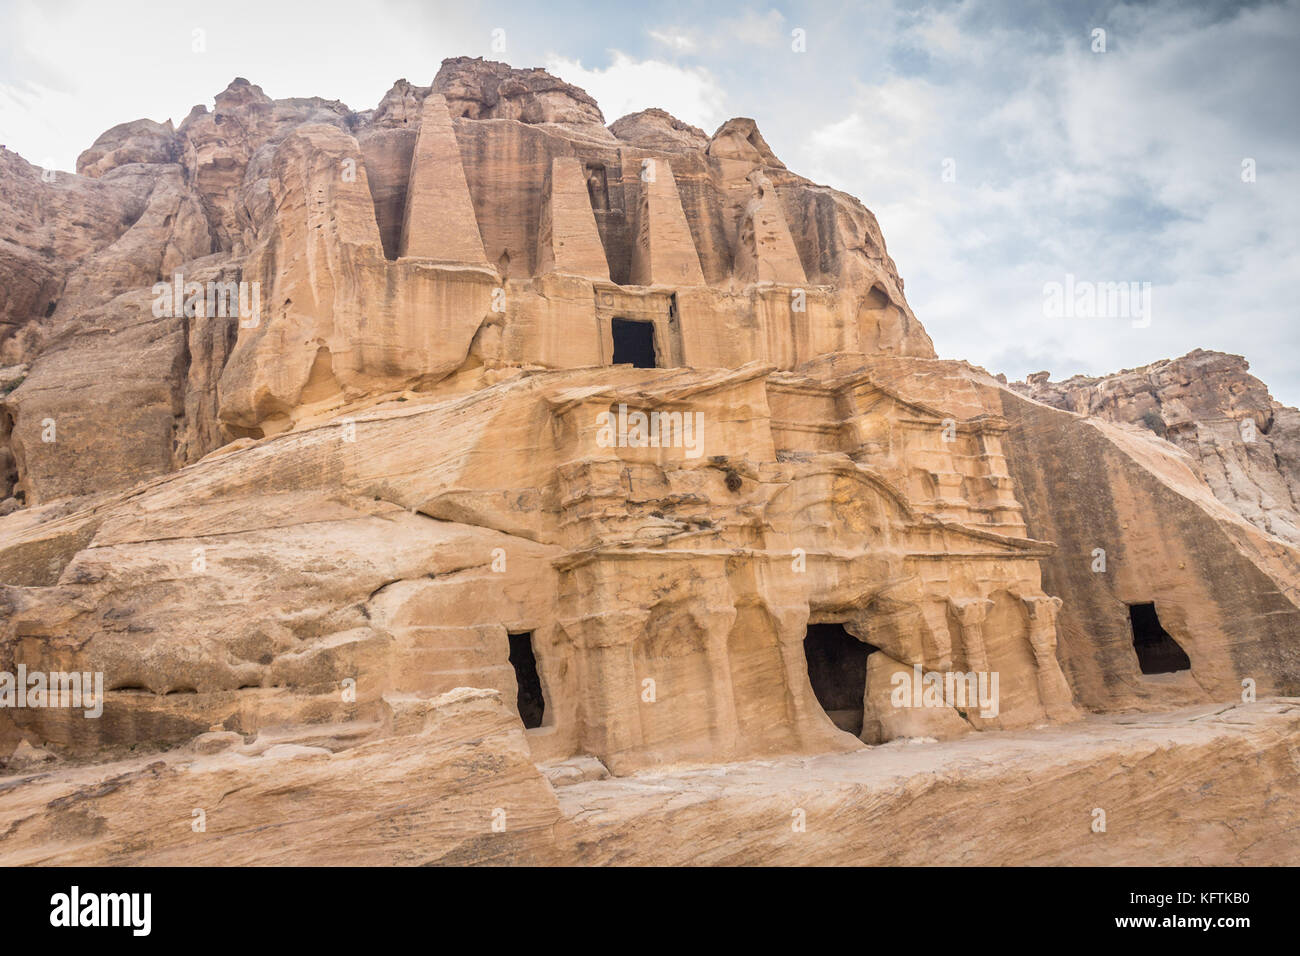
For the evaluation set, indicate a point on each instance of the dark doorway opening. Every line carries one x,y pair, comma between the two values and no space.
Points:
532,706
837,668
634,343
1157,652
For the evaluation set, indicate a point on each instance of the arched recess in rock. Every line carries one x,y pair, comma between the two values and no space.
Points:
880,322
758,683
321,384
1011,657
837,503
672,653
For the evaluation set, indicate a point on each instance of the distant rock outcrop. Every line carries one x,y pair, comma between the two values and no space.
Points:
657,129
1245,445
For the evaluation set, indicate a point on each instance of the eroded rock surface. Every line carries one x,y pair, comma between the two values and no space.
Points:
1245,444
1208,787
465,436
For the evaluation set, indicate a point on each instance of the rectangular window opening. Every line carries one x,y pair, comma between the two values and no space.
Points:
634,343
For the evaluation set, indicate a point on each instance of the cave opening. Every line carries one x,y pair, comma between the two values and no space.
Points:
837,669
531,703
1157,651
634,343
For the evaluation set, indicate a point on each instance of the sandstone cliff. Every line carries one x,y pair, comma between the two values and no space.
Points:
1243,443
81,255
468,441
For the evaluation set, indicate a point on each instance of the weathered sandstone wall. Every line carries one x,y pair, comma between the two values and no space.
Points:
639,400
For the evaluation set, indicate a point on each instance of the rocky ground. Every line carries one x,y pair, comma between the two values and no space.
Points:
451,782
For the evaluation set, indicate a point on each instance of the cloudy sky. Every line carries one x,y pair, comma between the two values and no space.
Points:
999,144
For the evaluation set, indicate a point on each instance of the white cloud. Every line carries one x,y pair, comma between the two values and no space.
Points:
71,70
627,85
754,29
680,41
750,29
1122,166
